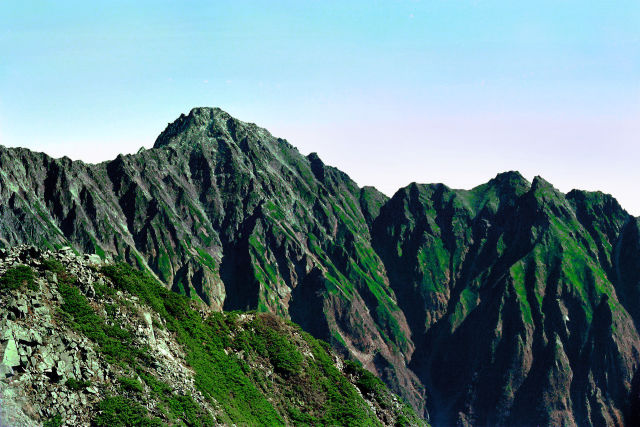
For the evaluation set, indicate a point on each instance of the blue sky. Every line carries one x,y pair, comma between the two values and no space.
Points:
391,92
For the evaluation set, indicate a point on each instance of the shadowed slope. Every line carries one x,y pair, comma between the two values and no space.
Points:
511,293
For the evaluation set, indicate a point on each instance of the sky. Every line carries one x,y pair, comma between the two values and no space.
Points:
391,92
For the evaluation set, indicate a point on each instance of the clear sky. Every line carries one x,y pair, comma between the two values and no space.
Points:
390,92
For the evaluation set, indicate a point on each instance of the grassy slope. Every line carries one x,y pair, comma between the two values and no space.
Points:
254,369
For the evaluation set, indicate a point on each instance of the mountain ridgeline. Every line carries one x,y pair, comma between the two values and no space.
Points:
511,303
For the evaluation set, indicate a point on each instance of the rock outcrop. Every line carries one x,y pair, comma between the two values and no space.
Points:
78,349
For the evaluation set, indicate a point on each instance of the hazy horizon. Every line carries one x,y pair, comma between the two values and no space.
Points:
390,93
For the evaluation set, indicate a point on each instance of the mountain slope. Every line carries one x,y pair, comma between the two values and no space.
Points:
225,212
512,291
84,343
507,303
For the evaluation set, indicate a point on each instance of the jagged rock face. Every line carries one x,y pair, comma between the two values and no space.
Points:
45,358
222,210
517,298
508,303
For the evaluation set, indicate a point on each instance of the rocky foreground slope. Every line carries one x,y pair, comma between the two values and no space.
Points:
85,343
510,303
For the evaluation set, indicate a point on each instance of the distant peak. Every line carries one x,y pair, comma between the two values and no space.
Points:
590,200
510,179
545,192
510,183
510,175
540,182
205,110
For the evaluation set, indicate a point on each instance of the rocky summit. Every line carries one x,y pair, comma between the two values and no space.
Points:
507,304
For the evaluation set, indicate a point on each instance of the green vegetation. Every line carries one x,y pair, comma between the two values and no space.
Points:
466,303
177,407
518,276
366,382
131,385
274,211
433,262
18,277
164,266
218,376
97,248
264,271
75,385
263,337
369,384
115,343
207,260
120,411
55,421
229,381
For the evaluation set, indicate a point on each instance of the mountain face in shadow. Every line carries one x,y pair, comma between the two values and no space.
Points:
510,303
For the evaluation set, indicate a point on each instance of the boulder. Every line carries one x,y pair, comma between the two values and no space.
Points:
11,356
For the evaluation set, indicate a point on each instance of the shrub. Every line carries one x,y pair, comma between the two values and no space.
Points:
130,384
367,382
55,421
243,396
120,411
114,342
219,376
274,344
182,407
73,384
56,266
17,277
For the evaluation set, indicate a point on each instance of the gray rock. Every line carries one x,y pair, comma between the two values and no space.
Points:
5,371
51,277
11,356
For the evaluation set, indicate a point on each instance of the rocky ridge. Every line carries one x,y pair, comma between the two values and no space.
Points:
41,352
54,371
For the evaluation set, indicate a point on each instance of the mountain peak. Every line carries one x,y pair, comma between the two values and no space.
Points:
201,123
509,179
203,115
540,182
509,176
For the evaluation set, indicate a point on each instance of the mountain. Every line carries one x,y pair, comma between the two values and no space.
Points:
522,301
105,345
510,303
